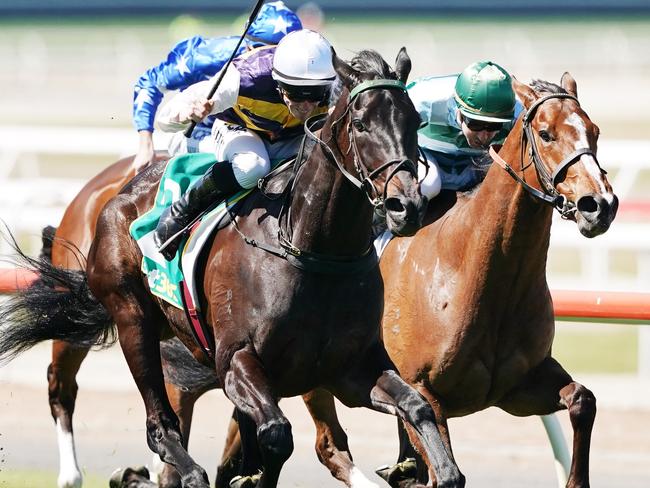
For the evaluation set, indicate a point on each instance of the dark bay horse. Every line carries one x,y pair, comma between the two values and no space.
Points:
468,317
305,329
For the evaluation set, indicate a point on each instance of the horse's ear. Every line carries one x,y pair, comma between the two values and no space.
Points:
403,65
569,84
524,93
349,76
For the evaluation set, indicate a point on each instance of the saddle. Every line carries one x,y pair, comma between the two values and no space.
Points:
175,281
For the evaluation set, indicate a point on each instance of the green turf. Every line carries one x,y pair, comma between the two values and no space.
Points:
595,349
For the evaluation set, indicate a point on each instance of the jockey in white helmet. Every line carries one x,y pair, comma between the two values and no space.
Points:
260,107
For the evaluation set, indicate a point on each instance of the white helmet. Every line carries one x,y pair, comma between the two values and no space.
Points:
303,63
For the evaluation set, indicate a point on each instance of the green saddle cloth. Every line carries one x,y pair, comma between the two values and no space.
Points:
165,276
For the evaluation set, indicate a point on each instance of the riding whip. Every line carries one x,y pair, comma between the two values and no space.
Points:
249,22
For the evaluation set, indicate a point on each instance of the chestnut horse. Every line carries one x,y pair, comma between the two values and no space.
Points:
468,317
290,339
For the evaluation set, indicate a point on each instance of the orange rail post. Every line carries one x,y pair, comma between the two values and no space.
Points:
14,279
602,306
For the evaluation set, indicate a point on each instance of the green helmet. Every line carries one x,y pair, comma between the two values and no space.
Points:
484,92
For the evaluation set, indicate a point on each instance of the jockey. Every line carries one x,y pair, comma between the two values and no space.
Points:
197,59
260,107
462,115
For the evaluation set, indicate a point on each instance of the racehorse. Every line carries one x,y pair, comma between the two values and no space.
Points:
468,317
313,329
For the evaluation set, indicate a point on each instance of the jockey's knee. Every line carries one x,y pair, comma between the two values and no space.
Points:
249,167
430,178
431,185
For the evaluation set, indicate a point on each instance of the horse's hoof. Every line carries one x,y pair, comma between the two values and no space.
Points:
245,481
131,478
399,473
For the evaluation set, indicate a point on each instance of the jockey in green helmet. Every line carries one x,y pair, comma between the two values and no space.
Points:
462,115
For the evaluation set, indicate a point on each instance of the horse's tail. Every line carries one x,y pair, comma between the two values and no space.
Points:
58,305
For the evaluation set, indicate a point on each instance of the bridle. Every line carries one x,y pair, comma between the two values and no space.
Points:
325,263
365,180
549,195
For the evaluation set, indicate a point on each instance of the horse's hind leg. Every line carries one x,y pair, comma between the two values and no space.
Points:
142,352
376,384
114,277
547,389
332,442
247,386
62,394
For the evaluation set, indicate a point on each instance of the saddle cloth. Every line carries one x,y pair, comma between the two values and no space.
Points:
168,279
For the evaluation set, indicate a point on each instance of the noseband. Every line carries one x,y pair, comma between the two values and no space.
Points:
550,195
365,181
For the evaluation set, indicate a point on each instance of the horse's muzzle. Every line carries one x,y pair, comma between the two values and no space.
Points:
404,213
595,213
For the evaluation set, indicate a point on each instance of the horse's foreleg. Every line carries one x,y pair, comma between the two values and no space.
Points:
247,386
387,392
332,442
547,389
393,395
182,402
62,393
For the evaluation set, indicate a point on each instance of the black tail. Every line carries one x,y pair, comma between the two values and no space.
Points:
58,305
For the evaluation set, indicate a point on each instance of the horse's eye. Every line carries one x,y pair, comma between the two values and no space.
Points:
546,137
358,125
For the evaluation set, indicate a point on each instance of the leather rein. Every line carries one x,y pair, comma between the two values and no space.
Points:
549,193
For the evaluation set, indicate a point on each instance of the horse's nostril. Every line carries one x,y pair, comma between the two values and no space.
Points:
587,205
393,205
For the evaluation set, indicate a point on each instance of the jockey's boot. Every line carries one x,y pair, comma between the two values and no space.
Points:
216,184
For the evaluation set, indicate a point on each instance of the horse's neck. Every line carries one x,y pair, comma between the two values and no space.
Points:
519,224
509,229
328,214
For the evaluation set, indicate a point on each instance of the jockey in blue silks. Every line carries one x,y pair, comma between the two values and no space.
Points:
198,59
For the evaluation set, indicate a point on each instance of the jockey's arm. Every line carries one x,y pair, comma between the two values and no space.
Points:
192,104
188,62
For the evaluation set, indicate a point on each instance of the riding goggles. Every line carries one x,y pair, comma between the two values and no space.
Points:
480,125
315,94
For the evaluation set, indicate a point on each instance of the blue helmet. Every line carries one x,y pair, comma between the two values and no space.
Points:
274,21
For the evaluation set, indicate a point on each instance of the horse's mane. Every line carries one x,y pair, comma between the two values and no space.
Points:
371,64
541,87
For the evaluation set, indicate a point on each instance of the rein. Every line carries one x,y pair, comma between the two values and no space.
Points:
326,263
549,195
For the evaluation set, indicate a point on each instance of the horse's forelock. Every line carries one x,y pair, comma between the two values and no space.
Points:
370,62
367,62
546,87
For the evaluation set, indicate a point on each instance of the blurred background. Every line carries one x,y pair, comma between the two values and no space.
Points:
68,68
